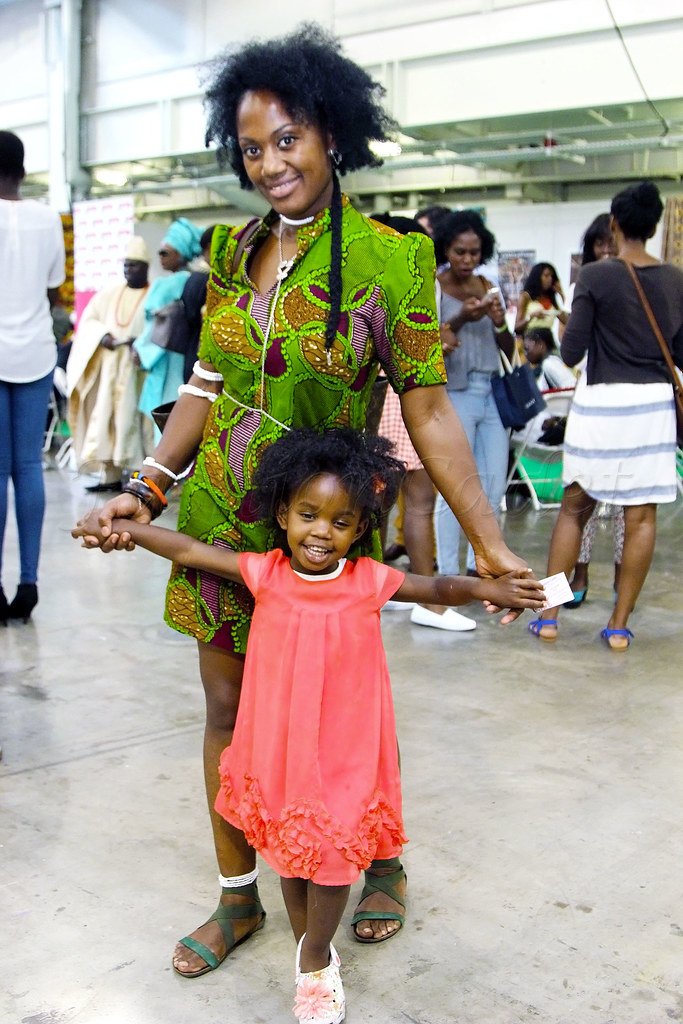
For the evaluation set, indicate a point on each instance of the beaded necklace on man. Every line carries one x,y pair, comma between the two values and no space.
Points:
124,312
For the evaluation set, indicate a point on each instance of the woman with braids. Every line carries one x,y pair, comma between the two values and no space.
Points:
302,308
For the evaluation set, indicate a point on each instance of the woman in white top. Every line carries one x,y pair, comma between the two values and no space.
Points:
31,266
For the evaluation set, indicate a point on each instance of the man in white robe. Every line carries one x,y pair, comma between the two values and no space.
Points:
103,381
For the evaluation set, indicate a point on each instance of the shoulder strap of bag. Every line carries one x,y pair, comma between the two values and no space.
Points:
507,366
675,379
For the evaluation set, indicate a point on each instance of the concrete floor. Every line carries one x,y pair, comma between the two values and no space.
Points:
542,798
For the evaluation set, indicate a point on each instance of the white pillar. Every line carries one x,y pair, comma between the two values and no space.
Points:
67,179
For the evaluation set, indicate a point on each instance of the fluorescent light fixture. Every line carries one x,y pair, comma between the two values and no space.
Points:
108,176
384,149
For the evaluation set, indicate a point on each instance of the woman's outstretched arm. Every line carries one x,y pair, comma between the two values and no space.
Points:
441,443
176,449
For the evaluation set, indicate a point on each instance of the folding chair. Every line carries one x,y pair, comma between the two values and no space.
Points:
523,447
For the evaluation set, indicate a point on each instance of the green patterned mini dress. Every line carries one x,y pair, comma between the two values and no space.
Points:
388,319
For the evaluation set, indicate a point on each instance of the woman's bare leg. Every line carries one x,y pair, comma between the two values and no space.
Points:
640,531
580,577
418,525
221,674
577,508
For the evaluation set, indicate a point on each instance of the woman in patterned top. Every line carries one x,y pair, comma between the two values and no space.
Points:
302,309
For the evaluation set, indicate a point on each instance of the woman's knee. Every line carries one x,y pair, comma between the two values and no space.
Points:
221,675
638,516
577,504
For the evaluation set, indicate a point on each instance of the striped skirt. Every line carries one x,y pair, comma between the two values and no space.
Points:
620,443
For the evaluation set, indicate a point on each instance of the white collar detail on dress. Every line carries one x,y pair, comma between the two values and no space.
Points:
317,577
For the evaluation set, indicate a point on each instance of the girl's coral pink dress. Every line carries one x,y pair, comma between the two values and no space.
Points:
312,776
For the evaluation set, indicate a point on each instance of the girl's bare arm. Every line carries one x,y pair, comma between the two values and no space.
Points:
515,589
185,550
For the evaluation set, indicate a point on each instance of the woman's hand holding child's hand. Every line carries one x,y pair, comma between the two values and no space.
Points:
449,339
96,528
516,589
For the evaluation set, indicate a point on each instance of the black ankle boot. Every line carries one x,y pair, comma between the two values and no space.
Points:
4,608
25,600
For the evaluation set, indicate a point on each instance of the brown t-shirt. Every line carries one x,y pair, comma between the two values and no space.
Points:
608,321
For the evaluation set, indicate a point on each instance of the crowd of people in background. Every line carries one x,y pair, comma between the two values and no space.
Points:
135,344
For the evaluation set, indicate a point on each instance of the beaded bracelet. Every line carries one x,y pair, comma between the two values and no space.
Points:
199,370
154,488
149,461
502,329
190,389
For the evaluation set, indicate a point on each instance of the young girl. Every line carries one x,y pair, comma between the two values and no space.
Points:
312,774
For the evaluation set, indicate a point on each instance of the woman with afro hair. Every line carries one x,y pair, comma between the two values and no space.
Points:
302,308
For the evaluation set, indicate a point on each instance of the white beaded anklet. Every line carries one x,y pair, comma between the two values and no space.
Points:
236,881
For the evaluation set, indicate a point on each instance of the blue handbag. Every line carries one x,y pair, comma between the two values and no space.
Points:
516,394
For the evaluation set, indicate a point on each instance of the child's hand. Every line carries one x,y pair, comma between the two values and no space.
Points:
97,531
89,529
516,589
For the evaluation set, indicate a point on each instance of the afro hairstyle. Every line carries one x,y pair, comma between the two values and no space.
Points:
316,83
448,228
362,462
637,210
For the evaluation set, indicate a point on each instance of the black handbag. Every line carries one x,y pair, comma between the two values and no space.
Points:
516,394
161,413
171,329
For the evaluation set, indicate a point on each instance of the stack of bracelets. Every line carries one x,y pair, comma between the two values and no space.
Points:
147,492
142,487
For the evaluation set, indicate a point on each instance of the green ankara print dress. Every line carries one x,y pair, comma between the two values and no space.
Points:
388,318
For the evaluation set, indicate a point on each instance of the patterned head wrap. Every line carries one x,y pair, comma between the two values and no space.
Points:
183,236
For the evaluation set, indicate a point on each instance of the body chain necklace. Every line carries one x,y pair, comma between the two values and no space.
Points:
283,268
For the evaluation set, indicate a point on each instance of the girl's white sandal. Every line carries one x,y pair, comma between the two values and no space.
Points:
319,994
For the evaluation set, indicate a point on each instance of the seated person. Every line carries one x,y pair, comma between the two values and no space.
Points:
551,374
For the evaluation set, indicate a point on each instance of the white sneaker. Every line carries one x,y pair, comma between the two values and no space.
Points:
450,619
397,606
